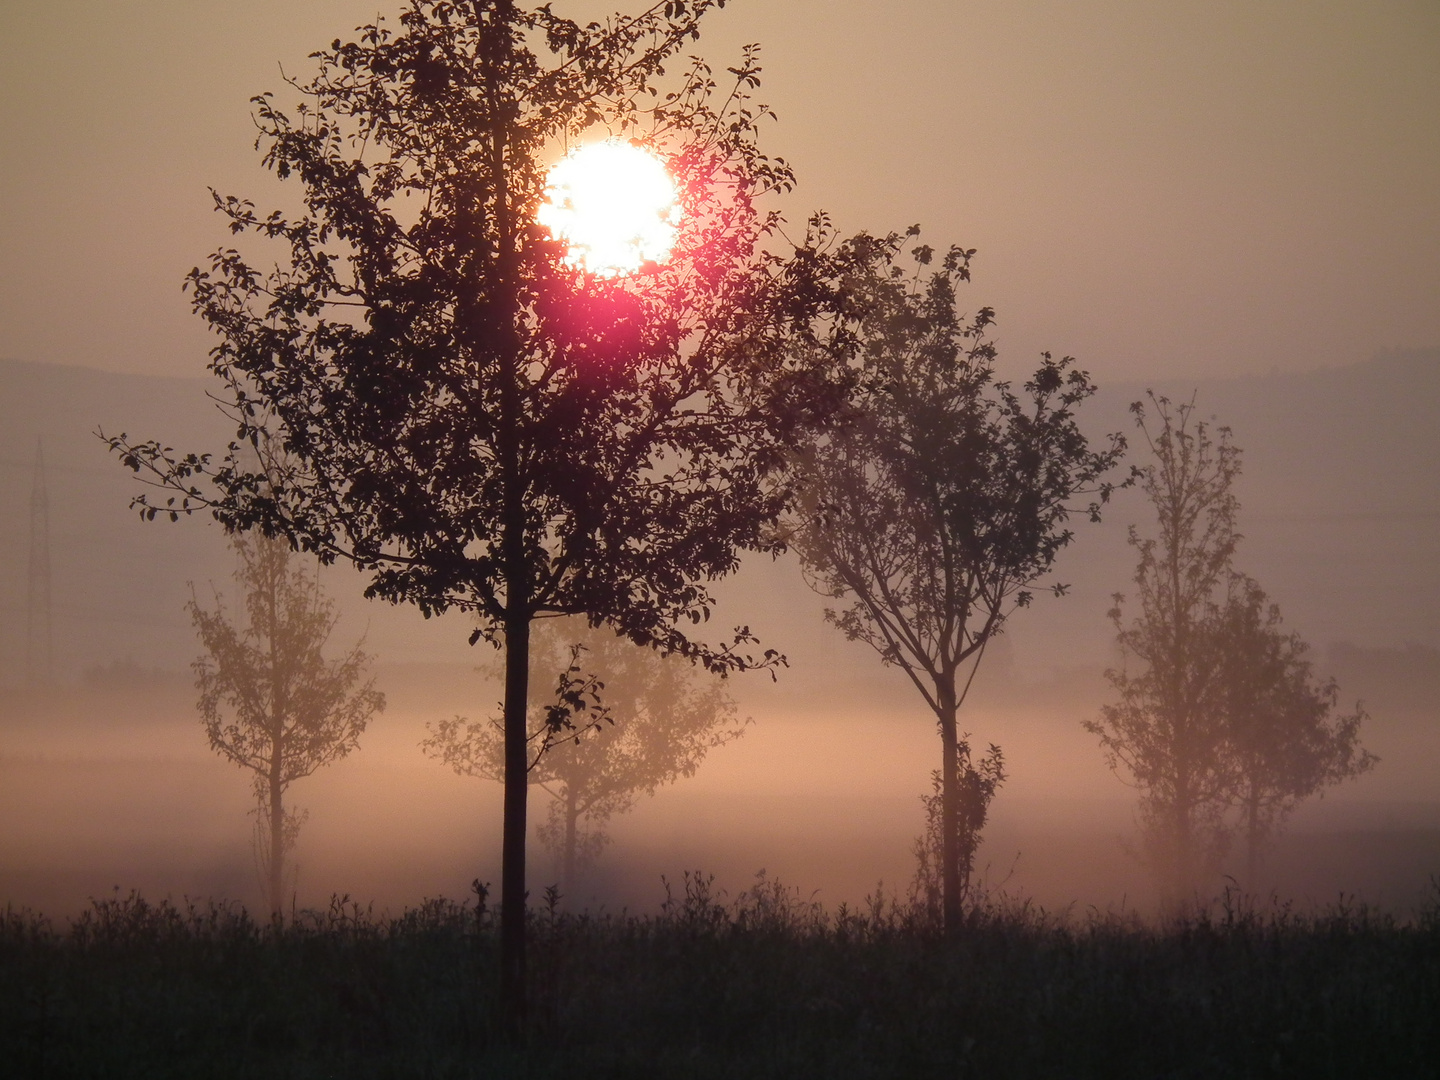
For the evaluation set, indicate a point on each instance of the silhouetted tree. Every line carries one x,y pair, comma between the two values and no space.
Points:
1282,735
1167,730
469,417
650,720
1218,708
943,497
269,699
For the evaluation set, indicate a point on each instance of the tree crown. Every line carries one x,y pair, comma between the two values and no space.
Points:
268,695
438,378
943,494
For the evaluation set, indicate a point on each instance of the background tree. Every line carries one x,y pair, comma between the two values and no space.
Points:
1166,730
1219,714
269,699
468,416
660,718
1283,736
942,497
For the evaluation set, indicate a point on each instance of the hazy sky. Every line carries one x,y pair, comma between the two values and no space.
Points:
1193,187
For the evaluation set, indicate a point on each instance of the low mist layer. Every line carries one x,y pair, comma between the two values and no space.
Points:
111,784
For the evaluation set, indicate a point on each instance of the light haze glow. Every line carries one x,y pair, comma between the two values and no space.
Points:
614,206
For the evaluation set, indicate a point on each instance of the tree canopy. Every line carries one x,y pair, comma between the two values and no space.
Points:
430,363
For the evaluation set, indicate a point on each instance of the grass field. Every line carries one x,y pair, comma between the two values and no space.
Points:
764,984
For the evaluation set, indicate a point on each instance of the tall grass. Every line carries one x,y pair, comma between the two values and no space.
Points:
762,984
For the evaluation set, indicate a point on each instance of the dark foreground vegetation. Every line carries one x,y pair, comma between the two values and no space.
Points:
764,985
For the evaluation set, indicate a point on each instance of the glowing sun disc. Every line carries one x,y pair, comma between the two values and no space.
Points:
613,205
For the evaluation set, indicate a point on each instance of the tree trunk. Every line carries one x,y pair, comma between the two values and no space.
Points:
279,707
1252,839
1178,848
277,839
499,337
951,884
512,862
1184,879
572,814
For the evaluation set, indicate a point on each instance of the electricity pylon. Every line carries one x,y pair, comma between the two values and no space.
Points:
39,646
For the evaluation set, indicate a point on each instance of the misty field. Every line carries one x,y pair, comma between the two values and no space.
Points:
570,471
762,984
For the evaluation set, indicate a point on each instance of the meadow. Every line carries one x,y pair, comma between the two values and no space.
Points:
764,983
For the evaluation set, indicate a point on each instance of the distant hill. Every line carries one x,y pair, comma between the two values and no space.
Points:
119,585
1339,497
1340,510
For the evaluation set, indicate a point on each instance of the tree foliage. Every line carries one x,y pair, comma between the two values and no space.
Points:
1284,736
943,496
463,414
425,354
269,699
1217,706
646,721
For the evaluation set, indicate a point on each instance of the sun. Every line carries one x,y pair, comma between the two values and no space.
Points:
614,206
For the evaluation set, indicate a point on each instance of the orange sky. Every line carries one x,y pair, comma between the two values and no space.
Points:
1190,188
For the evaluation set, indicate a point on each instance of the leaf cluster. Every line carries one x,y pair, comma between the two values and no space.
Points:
943,494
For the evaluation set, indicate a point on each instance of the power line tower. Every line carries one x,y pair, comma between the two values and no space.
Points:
39,646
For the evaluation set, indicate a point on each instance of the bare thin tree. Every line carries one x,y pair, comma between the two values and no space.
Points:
1166,730
1220,721
269,699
